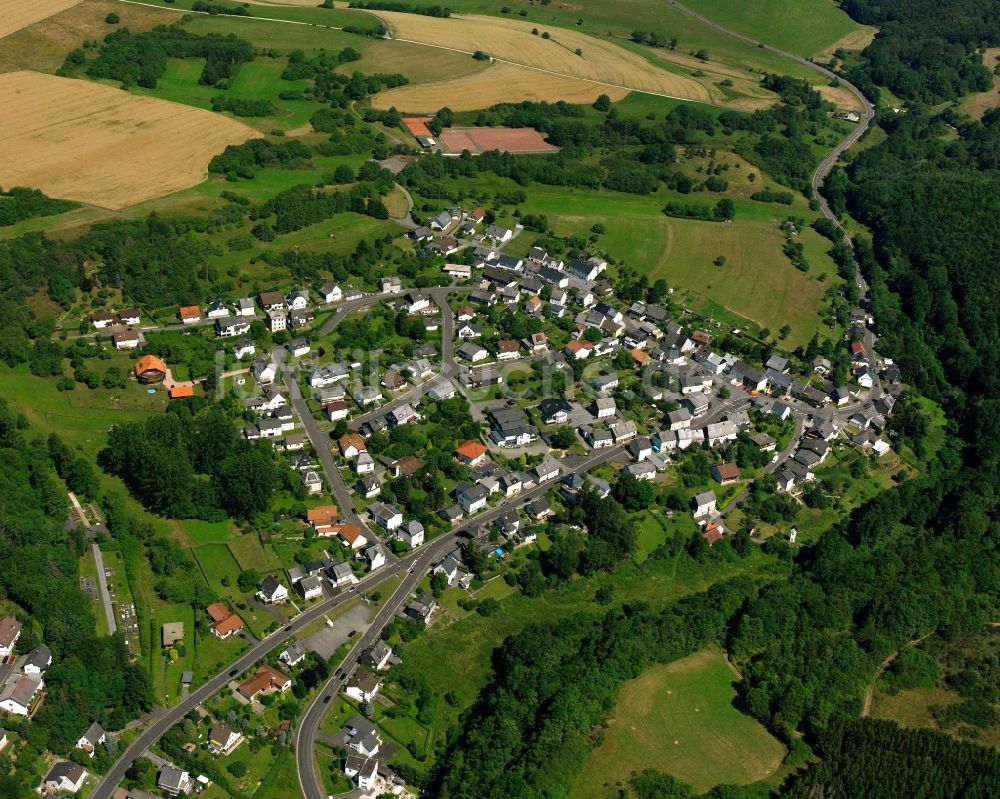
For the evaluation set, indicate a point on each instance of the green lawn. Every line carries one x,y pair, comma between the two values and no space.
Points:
250,553
804,27
218,564
679,718
651,534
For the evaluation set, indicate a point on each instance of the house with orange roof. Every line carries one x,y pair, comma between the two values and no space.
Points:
471,453
351,445
228,626
266,681
579,349
150,369
179,392
189,314
640,357
323,516
351,535
713,532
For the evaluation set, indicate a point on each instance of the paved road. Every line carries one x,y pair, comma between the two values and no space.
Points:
308,729
102,583
106,786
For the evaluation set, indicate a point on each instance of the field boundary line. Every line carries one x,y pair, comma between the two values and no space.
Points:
390,38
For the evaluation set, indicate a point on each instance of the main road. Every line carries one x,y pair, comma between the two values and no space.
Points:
306,733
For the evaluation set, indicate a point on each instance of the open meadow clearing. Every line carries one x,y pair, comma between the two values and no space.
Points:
679,718
99,145
978,103
803,27
510,40
17,14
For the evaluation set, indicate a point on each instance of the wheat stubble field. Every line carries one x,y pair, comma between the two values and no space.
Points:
544,68
17,14
99,145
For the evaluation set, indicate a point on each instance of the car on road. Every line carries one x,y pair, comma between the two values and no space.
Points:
234,672
352,633
326,699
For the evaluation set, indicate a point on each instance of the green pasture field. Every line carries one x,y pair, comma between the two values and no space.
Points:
757,283
250,553
679,718
803,27
217,563
212,655
456,657
282,780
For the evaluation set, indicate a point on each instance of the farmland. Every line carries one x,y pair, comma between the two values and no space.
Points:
16,14
679,718
500,83
565,53
44,45
125,149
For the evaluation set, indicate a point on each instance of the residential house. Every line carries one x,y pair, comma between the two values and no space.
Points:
330,292
538,509
640,448
377,656
752,378
223,739
448,566
310,587
245,307
507,350
244,348
412,534
230,326
103,320
224,622
765,442
328,374
390,285
351,445
363,463
643,470
271,591
725,473
679,419
263,372
189,314
65,776
578,349
149,369
127,340
277,320
704,504
471,496
341,574
469,330
422,608
375,557
18,693
313,482
385,515
351,535
784,480
597,438
498,234
781,410
556,411
510,427
363,686
171,633
603,407
368,486
91,739
473,352
548,469
37,660
298,300
539,342
721,431
272,301
216,309
298,347
174,781
623,431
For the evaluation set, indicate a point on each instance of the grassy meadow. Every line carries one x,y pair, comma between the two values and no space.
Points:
679,718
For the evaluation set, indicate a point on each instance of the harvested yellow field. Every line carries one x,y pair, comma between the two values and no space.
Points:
499,83
511,41
96,144
975,105
17,14
855,41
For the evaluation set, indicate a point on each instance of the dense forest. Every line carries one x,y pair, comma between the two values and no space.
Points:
91,678
926,49
193,463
